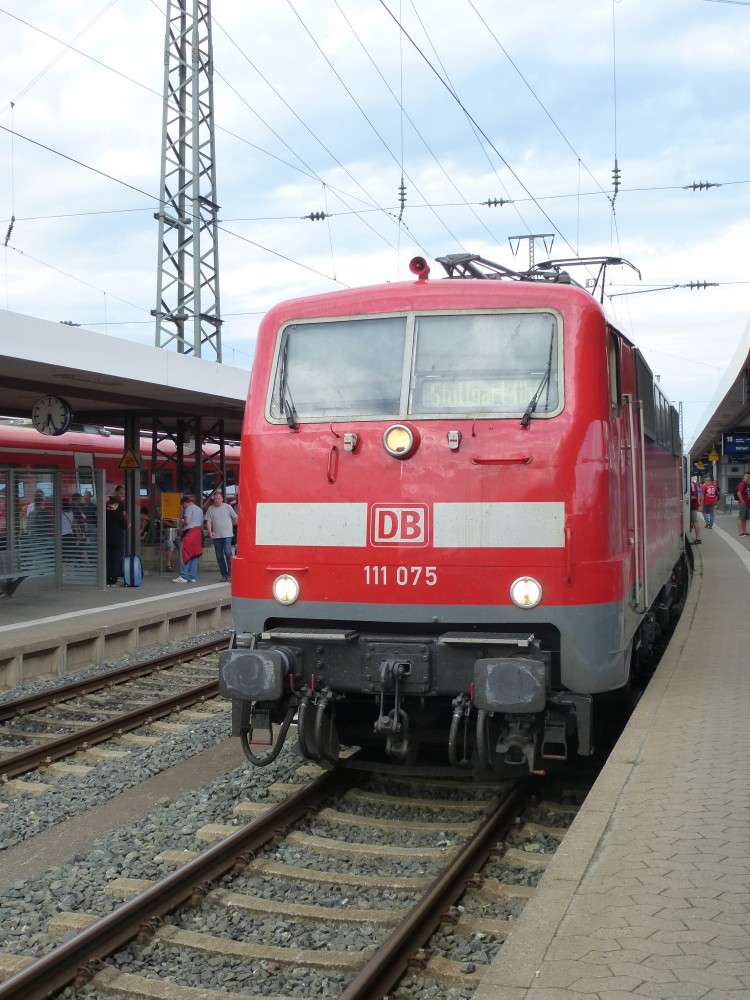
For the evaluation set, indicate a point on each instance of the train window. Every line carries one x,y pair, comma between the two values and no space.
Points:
645,386
341,368
615,380
487,363
165,480
676,436
85,478
665,437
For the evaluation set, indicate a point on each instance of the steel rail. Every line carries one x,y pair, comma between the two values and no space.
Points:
63,965
55,696
46,753
392,958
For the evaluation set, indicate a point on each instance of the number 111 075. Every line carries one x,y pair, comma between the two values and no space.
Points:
404,576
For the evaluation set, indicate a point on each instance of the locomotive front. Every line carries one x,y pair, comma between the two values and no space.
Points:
421,487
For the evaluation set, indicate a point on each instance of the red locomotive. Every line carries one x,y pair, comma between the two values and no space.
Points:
461,523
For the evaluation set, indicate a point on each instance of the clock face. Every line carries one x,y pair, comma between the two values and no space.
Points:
51,415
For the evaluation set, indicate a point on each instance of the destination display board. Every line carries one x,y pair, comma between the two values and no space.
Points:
736,445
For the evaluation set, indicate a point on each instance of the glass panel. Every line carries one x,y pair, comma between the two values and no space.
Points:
4,510
78,524
488,363
34,528
347,368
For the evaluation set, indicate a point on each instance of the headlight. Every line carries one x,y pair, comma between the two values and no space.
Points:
398,440
525,592
285,589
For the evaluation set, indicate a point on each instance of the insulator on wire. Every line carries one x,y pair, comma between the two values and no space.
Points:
700,186
701,285
616,175
401,199
494,202
10,229
316,216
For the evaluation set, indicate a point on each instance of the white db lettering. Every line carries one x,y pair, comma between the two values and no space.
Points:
398,525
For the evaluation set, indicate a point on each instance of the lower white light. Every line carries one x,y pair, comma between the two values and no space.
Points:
285,589
525,592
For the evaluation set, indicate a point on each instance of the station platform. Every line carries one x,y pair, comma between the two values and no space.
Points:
47,632
649,893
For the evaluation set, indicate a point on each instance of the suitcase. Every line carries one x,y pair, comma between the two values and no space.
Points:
132,571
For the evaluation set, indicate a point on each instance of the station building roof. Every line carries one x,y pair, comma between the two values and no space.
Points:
729,409
105,378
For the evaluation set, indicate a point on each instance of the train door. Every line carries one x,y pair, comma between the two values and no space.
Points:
633,519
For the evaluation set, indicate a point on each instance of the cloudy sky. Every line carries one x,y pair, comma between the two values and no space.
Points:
324,105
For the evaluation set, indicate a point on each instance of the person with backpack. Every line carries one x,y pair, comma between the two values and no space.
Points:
710,499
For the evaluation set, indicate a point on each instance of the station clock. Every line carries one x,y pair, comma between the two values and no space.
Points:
51,415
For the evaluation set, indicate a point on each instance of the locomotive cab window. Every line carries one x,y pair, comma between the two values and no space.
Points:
493,363
339,369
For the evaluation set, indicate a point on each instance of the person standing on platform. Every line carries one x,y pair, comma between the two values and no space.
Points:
743,495
145,524
119,494
192,541
88,509
67,531
115,523
220,520
710,494
695,507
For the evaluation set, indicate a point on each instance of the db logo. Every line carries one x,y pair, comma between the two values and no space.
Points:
399,525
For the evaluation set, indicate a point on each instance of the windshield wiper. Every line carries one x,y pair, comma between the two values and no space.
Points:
291,414
285,400
540,388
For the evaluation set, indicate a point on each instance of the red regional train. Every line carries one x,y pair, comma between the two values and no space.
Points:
80,452
462,522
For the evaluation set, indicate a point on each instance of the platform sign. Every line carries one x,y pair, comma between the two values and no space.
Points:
736,445
130,460
170,506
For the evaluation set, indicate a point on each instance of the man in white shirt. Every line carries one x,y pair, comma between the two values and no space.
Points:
220,520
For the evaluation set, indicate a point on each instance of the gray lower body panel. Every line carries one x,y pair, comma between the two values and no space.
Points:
594,641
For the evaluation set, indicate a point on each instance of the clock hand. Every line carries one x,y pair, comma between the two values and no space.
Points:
48,422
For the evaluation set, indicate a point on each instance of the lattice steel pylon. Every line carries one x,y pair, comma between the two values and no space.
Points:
187,296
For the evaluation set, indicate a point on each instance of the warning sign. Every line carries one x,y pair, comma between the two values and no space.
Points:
130,460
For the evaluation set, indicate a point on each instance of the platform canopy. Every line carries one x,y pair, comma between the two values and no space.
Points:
105,379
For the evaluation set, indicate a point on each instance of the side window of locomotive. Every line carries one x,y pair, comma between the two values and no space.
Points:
645,387
615,379
338,369
676,435
486,363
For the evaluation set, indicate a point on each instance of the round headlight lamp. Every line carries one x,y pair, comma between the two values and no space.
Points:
525,592
398,440
285,589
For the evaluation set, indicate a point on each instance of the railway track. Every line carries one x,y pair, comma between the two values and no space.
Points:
55,732
390,867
